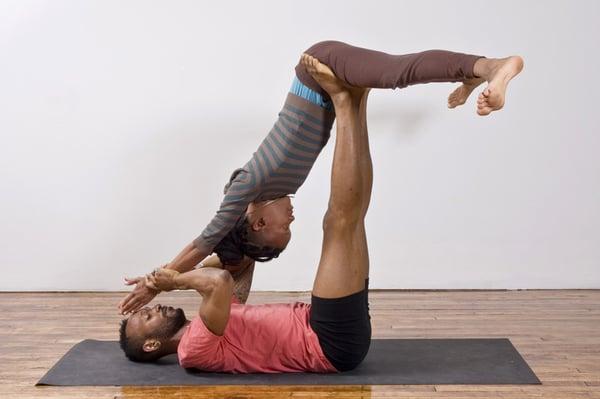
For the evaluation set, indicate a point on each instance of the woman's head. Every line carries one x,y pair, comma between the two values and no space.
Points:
270,221
261,234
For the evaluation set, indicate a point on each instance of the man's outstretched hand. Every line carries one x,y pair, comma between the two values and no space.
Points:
136,299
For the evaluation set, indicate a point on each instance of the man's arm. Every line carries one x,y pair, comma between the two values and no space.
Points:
238,194
214,285
216,288
242,275
189,257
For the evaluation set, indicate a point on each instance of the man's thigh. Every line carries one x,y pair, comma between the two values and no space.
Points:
343,326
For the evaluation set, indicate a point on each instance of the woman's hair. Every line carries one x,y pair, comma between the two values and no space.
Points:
235,245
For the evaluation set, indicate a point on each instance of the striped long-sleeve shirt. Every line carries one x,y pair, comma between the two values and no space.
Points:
279,166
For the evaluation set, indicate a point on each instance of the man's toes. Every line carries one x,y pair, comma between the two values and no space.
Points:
304,60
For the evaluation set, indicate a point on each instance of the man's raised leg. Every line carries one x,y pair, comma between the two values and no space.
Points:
344,263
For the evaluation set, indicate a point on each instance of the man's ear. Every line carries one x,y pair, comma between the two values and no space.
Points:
151,345
258,224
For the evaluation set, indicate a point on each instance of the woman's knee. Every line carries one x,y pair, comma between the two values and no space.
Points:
324,48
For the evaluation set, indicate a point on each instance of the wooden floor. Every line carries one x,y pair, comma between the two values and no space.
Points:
557,332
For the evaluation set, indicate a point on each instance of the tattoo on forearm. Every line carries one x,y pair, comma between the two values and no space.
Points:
243,283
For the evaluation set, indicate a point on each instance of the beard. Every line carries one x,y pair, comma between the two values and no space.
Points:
173,324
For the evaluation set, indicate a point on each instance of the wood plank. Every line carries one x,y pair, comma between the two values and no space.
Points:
556,331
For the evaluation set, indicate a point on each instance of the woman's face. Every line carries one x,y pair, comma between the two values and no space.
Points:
270,222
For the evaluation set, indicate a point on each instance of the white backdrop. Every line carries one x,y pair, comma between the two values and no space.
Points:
120,122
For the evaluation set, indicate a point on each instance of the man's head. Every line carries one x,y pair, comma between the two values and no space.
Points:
145,335
261,234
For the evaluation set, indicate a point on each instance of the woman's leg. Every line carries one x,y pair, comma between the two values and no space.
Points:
361,67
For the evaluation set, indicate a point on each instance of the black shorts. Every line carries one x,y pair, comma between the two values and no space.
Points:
343,326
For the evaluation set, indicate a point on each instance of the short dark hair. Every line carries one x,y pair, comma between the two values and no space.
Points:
235,245
133,348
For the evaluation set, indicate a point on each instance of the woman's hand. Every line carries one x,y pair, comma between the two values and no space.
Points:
162,279
137,298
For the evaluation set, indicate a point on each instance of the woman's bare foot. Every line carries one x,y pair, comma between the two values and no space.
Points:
460,95
498,72
335,87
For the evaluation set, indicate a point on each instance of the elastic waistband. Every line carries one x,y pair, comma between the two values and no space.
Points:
301,90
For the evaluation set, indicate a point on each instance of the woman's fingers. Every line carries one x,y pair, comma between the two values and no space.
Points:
135,306
125,302
131,281
132,306
150,282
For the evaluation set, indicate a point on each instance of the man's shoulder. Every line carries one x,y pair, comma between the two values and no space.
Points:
197,329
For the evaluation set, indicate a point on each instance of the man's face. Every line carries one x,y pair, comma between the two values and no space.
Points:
160,322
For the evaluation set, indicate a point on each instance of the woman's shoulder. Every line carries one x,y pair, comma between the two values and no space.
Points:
241,177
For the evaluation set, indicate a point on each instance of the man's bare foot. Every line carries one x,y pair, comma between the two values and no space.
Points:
325,77
498,72
460,95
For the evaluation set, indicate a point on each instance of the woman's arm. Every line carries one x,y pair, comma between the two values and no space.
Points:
212,261
187,259
238,194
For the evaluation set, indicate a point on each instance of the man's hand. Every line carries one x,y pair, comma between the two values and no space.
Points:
162,280
137,298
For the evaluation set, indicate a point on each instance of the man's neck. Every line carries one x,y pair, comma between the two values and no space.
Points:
171,345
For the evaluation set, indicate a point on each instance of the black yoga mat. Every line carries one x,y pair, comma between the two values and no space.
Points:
389,362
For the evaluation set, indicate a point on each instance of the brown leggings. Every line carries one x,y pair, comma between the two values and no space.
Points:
361,67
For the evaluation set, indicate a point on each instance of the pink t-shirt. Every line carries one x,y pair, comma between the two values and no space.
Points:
258,339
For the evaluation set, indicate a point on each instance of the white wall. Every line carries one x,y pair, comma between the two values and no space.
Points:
120,122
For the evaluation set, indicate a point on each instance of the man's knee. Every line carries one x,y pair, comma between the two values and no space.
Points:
339,220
